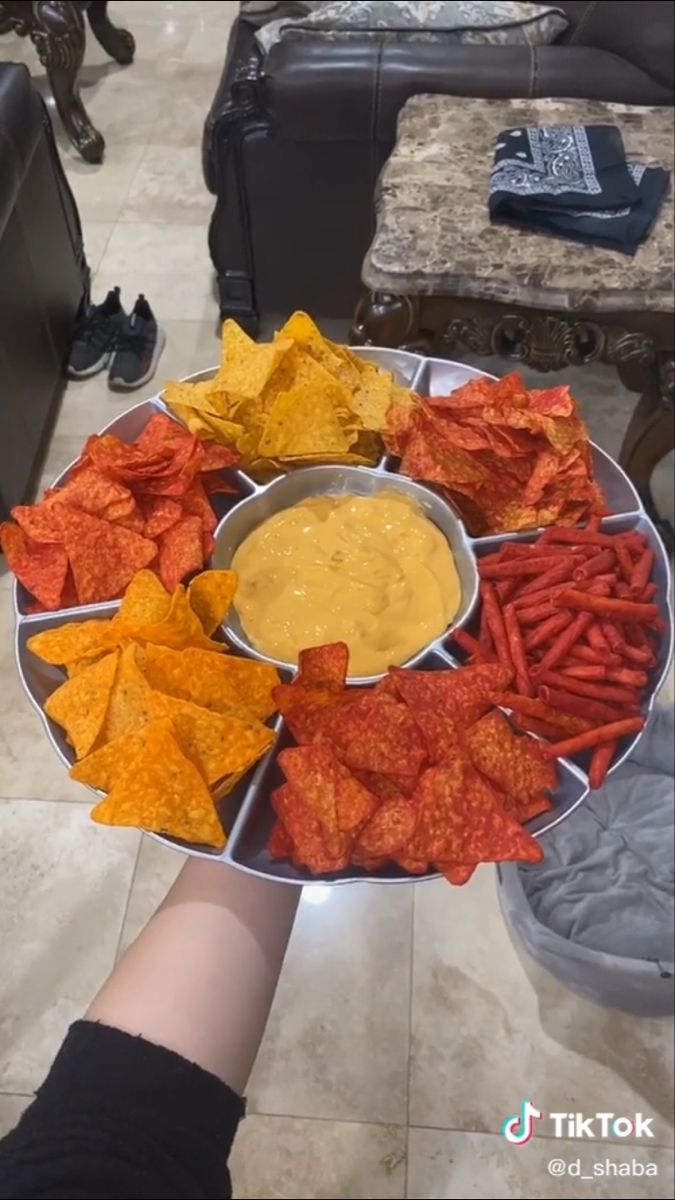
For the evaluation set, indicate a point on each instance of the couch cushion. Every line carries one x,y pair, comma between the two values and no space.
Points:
492,23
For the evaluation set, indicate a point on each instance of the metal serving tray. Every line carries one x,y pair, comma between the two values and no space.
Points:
246,812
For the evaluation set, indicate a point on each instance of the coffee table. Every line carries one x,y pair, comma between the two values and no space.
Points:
441,279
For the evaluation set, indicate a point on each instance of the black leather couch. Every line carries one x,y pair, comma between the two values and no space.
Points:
43,281
293,144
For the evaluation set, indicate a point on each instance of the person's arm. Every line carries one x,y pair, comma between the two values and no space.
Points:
144,1096
201,976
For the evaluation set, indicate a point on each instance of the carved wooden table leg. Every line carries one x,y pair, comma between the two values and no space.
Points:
384,319
118,43
651,435
58,34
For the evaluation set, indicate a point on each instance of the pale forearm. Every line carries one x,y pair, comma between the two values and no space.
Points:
201,976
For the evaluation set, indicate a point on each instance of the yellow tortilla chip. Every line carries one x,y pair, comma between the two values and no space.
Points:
302,422
102,768
372,399
130,705
206,395
73,642
219,745
210,595
161,790
146,599
247,365
80,704
230,685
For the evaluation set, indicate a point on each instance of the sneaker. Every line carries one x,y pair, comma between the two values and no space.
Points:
96,336
139,346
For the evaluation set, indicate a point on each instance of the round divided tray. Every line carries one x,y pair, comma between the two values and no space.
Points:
246,812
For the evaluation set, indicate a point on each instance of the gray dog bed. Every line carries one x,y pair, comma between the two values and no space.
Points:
598,912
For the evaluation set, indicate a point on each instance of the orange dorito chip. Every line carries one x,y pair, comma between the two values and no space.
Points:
162,791
146,600
218,744
102,768
179,629
219,683
516,764
130,705
72,642
80,705
210,596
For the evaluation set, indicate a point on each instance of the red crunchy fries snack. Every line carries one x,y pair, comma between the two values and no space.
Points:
124,506
417,771
507,456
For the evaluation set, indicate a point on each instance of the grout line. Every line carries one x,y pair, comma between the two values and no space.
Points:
543,1137
125,913
250,1112
410,1038
18,1095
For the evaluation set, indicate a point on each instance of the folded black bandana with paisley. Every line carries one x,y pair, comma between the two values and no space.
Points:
573,181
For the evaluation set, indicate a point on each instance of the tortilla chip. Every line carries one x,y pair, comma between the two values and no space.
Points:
80,705
222,684
146,600
162,791
73,641
302,422
102,768
40,567
130,705
219,745
210,596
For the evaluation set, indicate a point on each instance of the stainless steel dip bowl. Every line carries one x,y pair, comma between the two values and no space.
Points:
299,485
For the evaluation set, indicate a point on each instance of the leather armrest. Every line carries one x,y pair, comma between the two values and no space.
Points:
20,128
354,91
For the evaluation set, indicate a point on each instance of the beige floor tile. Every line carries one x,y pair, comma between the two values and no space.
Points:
156,870
208,41
168,187
283,1157
337,1040
488,1029
89,404
11,1108
100,190
477,1166
190,88
96,238
64,886
30,767
169,262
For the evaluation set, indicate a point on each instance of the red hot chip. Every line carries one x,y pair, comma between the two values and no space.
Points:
180,551
324,666
514,763
42,568
306,833
388,830
376,734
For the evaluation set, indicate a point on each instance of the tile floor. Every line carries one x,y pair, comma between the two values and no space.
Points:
405,1026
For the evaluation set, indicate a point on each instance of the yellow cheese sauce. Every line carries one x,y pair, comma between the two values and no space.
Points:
371,571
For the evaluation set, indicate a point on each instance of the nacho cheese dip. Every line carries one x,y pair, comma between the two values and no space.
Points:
371,571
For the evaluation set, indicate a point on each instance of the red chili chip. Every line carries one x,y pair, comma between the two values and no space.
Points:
40,567
324,666
515,763
180,551
388,830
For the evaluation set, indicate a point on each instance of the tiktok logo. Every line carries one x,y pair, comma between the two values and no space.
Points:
519,1128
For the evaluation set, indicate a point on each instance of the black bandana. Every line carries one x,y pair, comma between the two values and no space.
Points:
574,181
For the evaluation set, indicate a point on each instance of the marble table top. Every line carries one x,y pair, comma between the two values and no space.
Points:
433,230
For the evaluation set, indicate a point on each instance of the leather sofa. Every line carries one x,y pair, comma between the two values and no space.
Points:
43,281
294,142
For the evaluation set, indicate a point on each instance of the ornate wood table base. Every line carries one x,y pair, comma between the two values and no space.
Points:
56,28
639,345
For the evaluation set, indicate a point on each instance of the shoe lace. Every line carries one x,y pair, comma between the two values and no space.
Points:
134,339
92,328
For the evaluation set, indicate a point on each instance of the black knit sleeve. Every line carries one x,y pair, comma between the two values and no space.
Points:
119,1117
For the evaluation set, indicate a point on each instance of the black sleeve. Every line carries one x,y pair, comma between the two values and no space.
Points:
119,1117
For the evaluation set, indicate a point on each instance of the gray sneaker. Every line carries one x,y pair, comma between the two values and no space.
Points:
95,337
139,346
